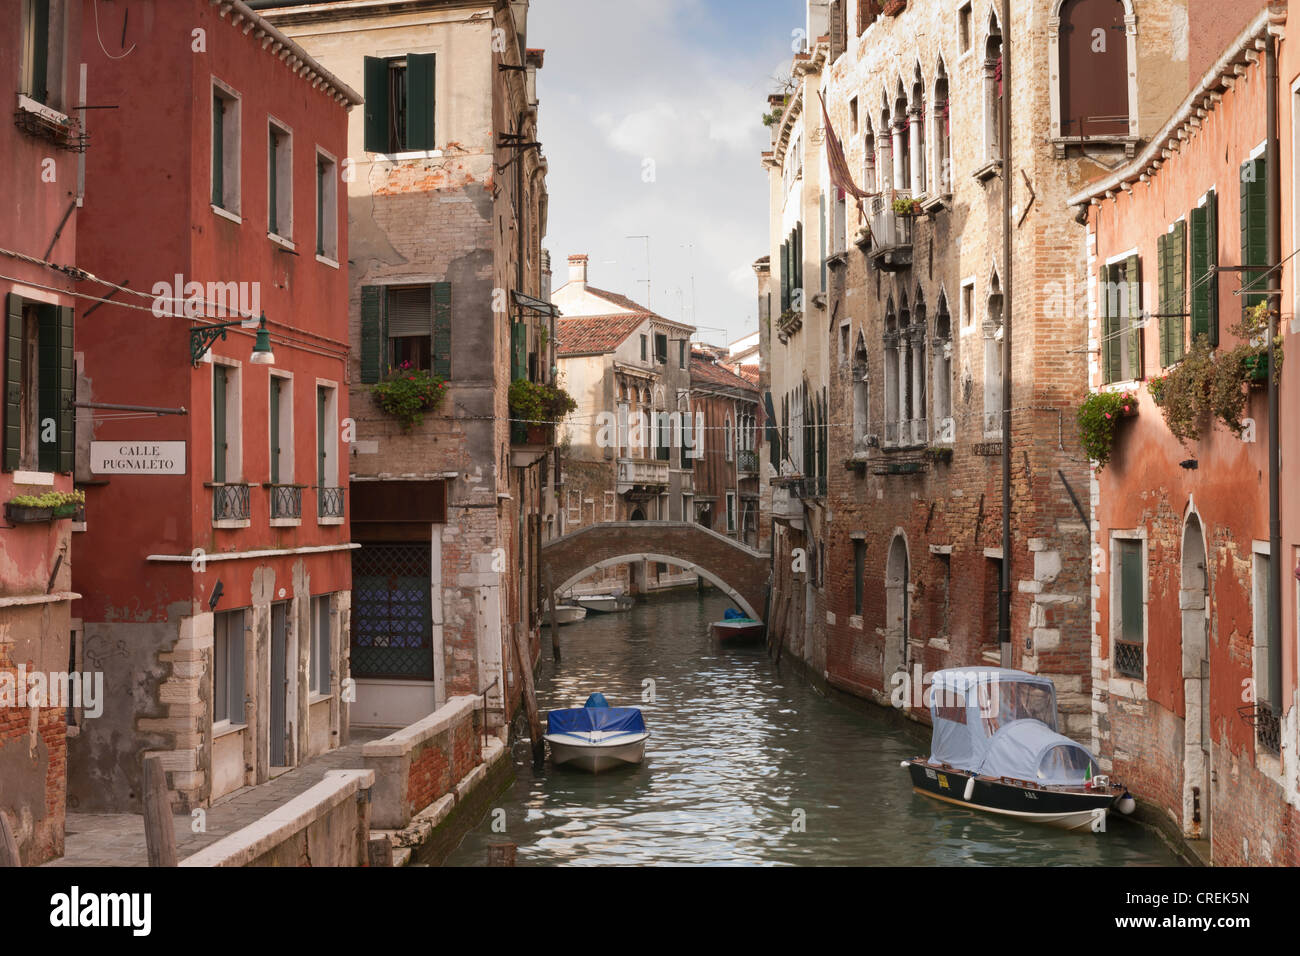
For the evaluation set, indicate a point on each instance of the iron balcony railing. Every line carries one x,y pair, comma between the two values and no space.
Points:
1128,659
329,502
747,461
230,502
286,501
889,230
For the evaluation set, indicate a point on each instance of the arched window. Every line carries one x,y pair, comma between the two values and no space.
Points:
943,424
902,142
993,92
890,348
1094,65
993,360
869,159
942,135
916,127
916,340
861,398
885,148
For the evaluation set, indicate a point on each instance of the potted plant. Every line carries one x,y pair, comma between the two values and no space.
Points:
1098,416
537,406
33,509
407,393
70,503
905,206
1253,352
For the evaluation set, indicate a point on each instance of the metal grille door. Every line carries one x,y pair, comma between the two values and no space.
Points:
391,620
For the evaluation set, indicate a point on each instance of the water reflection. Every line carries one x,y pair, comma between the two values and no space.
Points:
745,765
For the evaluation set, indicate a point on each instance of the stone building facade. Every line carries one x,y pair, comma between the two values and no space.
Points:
726,470
447,203
887,329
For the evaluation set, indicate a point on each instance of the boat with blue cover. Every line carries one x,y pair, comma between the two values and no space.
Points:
736,628
995,747
596,736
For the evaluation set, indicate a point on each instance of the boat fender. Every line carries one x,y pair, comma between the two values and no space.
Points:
1126,804
970,789
904,764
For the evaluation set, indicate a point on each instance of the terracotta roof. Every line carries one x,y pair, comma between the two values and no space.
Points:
706,373
596,334
620,300
749,373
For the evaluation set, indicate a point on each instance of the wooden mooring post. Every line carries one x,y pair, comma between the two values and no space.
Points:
159,836
530,696
501,854
555,627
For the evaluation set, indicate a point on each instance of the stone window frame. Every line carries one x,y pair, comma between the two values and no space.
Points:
1060,142
1122,686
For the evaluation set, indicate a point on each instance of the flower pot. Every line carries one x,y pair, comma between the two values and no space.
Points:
27,514
539,434
68,510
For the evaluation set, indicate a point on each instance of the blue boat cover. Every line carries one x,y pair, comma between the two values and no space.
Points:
596,700
731,614
584,720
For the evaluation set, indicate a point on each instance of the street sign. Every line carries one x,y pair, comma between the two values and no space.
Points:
137,457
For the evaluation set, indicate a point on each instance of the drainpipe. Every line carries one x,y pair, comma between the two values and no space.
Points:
1273,224
1004,593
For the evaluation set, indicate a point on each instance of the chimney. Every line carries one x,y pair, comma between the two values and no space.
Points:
578,271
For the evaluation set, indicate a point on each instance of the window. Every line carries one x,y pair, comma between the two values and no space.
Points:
942,135
869,159
964,27
944,431
993,94
1267,670
661,348
281,425
279,179
993,360
681,353
663,437
853,116
1171,253
731,512
39,386
1129,629
1204,256
327,436
916,122
861,397
1094,69
34,75
792,271
839,27
226,424
399,110
320,644
968,304
688,452
868,10
728,442
228,667
1121,325
859,573
401,324
645,344
1254,230
225,149
327,207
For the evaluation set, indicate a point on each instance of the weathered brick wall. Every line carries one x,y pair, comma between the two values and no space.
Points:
442,761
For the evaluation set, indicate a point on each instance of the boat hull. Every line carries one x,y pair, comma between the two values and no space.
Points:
605,604
565,614
737,632
595,756
1066,808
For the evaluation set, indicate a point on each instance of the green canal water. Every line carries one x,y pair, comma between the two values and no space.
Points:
746,764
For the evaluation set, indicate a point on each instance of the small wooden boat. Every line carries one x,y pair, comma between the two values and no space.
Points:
564,614
606,603
596,736
736,629
995,747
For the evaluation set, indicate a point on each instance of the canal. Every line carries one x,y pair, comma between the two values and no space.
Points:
747,764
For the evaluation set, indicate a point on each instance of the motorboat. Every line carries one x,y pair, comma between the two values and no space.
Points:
564,614
605,603
596,736
736,628
995,747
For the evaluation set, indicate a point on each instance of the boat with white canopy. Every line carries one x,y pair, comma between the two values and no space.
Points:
995,747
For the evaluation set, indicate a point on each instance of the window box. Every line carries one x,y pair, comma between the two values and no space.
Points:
27,514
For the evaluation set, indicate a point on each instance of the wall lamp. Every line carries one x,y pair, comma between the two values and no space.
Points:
203,337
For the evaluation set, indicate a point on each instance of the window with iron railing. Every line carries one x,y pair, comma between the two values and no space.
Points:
286,501
230,503
329,502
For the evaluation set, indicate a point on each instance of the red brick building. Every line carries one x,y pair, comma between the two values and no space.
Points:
38,223
1194,702
215,577
728,412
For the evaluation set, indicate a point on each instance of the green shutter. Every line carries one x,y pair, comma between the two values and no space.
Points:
1163,307
374,343
13,391
785,277
218,423
1200,267
1130,584
271,225
1133,274
518,350
1177,251
419,101
1110,355
1254,234
442,329
218,150
67,372
1212,266
322,452
275,430
376,108
40,50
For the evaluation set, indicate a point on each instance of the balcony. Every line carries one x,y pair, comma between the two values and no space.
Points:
286,502
891,234
329,505
747,461
642,473
908,433
530,442
787,504
230,505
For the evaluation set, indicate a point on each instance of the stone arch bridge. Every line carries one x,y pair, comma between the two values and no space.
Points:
736,569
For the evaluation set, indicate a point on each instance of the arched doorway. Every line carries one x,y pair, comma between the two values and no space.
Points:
1193,602
897,608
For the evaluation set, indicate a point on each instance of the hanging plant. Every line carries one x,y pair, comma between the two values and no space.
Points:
1183,393
1098,416
904,206
537,402
407,393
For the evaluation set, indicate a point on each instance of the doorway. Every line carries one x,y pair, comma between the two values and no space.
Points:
278,723
1193,603
897,608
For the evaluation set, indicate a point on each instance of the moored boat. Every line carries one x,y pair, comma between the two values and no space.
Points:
605,603
995,747
735,628
596,737
564,614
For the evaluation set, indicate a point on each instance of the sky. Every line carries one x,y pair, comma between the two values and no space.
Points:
672,91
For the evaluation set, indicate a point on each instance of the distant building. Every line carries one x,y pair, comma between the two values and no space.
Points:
728,411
